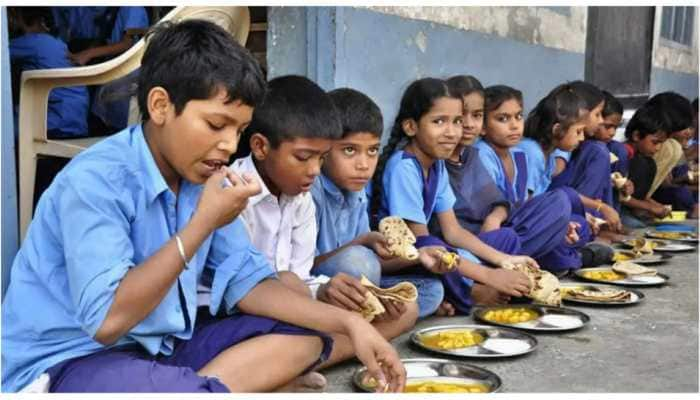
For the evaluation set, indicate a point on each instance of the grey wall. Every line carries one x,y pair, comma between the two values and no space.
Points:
381,54
663,80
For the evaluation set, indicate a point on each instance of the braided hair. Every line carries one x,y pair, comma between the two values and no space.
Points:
417,100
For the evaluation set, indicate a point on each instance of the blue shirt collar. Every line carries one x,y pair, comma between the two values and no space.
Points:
338,195
148,164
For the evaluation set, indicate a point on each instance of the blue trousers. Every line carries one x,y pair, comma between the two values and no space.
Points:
359,260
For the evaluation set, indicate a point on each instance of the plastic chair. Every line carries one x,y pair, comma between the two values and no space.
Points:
36,85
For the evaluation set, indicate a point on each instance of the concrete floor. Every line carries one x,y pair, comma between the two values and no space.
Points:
648,347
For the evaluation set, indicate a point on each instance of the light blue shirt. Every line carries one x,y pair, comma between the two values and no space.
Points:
106,212
403,185
539,174
493,165
341,216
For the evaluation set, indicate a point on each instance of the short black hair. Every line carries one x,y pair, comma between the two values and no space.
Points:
677,110
293,107
464,85
193,60
647,120
357,112
496,95
612,105
590,93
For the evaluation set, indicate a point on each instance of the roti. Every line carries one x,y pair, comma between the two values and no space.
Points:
399,236
600,294
544,287
404,292
631,269
618,179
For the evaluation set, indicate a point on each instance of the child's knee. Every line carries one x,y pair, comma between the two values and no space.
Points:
431,293
357,261
292,281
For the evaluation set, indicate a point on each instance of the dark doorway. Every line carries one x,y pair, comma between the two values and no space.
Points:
618,51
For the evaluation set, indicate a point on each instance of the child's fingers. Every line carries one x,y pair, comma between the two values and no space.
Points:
340,299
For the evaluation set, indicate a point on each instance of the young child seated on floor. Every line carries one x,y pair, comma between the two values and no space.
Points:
411,182
646,132
542,223
669,185
110,264
346,249
588,169
291,133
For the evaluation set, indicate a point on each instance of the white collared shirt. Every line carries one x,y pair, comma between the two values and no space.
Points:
283,229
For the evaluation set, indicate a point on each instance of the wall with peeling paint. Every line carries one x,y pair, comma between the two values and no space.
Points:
380,54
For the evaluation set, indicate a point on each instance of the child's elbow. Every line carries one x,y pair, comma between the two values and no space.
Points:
108,333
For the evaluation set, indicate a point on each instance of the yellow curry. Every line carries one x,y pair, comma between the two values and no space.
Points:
452,339
603,275
444,387
510,315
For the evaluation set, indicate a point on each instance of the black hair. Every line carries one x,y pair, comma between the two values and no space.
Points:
676,109
612,105
294,107
193,60
357,112
695,105
647,120
464,85
496,95
562,105
29,15
417,100
589,92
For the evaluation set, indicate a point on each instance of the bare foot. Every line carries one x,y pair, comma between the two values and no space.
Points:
488,296
445,310
311,382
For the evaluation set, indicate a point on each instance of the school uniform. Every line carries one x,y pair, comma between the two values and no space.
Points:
540,222
283,228
669,162
68,106
621,166
406,193
106,212
588,172
341,216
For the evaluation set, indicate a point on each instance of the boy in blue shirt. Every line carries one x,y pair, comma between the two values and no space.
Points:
346,249
110,264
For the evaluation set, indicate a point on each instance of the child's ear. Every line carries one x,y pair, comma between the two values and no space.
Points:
635,136
409,126
259,146
556,130
158,104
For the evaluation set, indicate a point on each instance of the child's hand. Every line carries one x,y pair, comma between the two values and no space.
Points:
394,310
510,261
611,217
628,189
378,243
572,233
431,259
343,291
660,210
219,205
507,281
595,227
380,358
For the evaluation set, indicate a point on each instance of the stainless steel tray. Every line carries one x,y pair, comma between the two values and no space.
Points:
499,342
646,259
436,370
551,319
664,246
691,237
636,296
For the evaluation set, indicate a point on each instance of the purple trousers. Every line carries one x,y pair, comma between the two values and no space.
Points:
131,369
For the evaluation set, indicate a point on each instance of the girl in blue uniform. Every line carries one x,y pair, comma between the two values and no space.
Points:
542,222
411,182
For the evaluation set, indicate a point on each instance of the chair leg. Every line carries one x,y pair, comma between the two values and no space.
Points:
27,174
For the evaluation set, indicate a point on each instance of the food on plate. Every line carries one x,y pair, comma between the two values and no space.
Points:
597,294
631,269
511,315
454,339
444,387
603,275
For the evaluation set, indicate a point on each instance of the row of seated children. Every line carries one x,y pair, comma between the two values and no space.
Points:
36,44
103,295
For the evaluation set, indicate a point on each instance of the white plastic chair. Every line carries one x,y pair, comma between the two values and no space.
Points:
36,85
